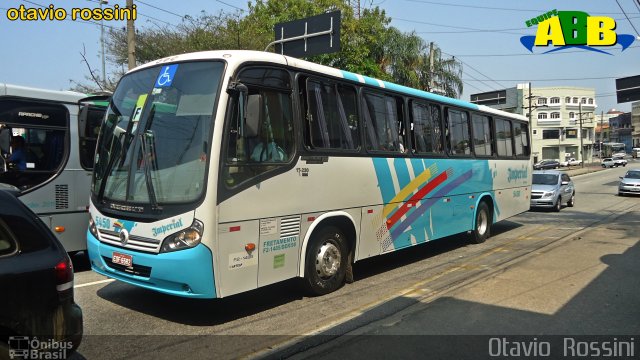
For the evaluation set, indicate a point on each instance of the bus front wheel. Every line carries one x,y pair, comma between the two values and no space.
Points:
326,261
482,228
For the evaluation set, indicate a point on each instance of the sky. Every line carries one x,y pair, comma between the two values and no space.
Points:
484,35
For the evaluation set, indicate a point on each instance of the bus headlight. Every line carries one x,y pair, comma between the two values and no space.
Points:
93,229
184,239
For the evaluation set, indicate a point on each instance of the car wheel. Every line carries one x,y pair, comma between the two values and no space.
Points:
558,205
326,262
624,165
572,201
482,229
604,166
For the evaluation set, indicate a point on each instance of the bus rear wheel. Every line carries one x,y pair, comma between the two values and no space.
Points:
326,261
482,228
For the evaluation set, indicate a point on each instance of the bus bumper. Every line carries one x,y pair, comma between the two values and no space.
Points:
186,273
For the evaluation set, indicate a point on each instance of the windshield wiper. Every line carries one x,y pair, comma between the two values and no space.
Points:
146,158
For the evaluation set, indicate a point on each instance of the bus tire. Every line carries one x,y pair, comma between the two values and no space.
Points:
482,226
326,261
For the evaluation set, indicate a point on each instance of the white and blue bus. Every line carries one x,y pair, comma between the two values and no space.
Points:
47,145
220,172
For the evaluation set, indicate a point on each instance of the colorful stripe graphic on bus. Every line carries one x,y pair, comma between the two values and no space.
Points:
416,196
118,225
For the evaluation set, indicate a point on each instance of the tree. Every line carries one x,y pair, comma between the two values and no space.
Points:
369,45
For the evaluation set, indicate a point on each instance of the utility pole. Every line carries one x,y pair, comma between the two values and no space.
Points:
431,67
131,38
581,144
601,133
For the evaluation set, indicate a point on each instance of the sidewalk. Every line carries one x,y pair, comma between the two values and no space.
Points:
579,170
585,284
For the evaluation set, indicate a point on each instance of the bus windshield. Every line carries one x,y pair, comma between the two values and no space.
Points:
154,144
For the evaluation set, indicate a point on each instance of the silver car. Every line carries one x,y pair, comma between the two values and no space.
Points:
551,189
630,183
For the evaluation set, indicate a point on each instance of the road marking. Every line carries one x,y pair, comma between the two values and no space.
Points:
94,283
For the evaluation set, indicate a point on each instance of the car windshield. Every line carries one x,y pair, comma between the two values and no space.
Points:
633,175
545,179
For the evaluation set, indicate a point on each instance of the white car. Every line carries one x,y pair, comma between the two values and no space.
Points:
571,162
613,162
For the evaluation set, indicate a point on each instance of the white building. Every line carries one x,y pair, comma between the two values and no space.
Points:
562,118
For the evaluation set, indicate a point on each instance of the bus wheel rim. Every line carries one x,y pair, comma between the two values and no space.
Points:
482,223
328,260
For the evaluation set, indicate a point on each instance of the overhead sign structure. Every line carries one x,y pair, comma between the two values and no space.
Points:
314,35
628,89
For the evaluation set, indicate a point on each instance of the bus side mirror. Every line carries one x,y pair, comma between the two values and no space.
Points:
5,139
82,120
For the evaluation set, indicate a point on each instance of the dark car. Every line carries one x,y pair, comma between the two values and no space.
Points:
37,308
546,164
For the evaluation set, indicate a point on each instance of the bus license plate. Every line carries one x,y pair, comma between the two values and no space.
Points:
122,259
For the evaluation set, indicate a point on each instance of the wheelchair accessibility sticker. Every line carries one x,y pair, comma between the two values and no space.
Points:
166,75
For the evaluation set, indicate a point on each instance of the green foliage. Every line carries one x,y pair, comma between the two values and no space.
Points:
369,45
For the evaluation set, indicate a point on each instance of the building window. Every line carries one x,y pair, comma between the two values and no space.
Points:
542,101
590,101
554,100
572,115
535,131
542,116
572,134
575,100
551,134
583,100
555,115
567,99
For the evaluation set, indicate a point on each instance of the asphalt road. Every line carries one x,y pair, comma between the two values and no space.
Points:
123,321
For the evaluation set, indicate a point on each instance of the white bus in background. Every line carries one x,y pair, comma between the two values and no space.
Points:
58,146
220,172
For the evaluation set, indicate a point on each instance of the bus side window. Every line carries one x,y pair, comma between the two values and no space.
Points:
383,123
458,138
261,132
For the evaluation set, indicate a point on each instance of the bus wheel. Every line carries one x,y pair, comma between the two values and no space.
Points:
326,261
482,229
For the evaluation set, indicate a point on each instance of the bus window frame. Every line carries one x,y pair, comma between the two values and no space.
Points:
494,151
67,137
402,120
224,191
440,139
304,107
447,140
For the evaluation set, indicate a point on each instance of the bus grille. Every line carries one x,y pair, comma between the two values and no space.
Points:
290,226
138,270
134,243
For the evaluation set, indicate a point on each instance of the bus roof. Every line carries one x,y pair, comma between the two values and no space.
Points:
236,57
37,93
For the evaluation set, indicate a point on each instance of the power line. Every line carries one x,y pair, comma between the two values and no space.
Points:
560,79
488,7
161,9
233,6
88,22
141,14
458,27
530,54
625,14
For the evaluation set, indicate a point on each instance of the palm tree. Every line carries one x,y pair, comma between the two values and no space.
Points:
444,76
